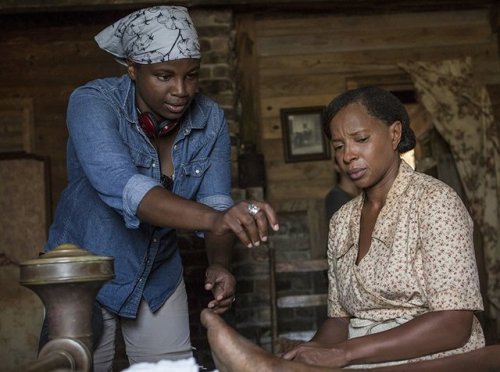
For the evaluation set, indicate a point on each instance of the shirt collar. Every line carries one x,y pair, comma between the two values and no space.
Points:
129,106
196,110
387,220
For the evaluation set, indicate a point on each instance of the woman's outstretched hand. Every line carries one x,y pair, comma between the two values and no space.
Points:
249,221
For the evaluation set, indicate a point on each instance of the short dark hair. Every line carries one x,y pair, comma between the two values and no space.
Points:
380,104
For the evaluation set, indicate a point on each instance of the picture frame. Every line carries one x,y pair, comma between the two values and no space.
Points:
303,136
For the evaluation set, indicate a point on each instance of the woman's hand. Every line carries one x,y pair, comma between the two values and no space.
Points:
249,221
222,284
316,354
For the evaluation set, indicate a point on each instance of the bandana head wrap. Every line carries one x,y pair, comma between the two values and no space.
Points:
151,35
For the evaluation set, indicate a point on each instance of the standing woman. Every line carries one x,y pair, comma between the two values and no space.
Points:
147,154
403,281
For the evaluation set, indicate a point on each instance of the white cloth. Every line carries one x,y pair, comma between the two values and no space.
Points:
151,35
183,365
362,327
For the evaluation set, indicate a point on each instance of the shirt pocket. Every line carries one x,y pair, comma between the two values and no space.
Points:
143,162
191,177
196,169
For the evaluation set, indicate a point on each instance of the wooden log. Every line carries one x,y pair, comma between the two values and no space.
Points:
302,301
299,24
270,107
369,60
301,266
373,39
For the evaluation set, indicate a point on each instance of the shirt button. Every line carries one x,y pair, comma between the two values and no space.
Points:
154,165
155,240
175,146
186,131
197,171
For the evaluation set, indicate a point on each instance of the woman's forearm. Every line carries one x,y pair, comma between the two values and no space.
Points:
332,331
219,249
427,334
160,207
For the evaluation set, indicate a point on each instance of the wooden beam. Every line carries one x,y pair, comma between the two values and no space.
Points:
301,266
365,6
302,301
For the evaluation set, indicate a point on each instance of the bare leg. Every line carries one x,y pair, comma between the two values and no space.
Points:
234,353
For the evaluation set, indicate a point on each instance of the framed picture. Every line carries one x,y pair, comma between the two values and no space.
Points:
303,134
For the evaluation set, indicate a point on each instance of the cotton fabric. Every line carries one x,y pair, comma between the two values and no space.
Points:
163,335
152,35
462,112
421,257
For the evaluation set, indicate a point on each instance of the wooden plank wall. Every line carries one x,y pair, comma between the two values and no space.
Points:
45,62
305,60
45,57
286,60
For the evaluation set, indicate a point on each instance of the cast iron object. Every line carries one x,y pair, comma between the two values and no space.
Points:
67,280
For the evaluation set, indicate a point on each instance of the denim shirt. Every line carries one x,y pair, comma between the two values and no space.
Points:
111,165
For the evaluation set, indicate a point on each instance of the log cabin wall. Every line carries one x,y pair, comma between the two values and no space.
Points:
297,60
46,59
303,60
48,55
284,59
294,60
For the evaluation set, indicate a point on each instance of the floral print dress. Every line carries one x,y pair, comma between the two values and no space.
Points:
421,259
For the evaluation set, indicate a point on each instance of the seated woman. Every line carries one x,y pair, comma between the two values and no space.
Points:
403,281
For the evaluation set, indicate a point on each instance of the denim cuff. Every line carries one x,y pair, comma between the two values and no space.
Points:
217,202
135,189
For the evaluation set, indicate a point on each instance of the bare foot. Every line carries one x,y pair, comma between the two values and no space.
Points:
234,353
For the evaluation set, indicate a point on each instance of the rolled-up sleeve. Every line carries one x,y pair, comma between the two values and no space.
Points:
218,202
134,191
